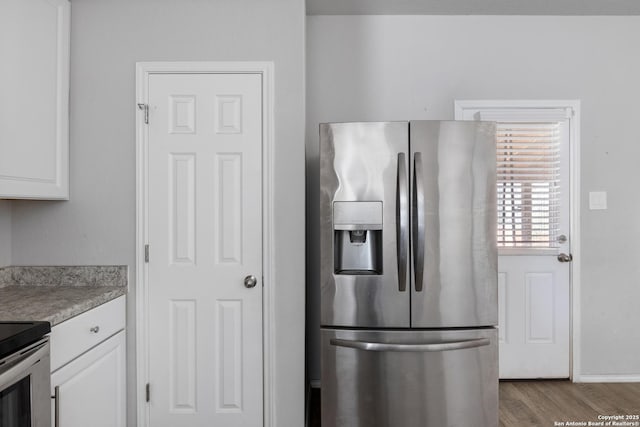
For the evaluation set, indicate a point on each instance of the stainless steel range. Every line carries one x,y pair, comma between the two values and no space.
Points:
24,374
408,274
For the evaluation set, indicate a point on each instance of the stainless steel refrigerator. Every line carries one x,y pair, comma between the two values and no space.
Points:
408,274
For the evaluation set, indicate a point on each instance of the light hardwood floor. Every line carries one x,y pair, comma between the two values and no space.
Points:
541,403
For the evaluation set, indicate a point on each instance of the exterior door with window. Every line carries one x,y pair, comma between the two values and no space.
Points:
532,149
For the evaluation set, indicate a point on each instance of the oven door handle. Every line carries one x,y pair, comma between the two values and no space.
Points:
17,370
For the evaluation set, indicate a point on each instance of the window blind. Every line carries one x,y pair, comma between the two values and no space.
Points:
528,184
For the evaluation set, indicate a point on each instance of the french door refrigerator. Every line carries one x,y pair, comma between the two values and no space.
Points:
408,274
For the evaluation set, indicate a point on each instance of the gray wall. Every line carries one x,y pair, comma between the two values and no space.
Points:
5,233
97,225
362,68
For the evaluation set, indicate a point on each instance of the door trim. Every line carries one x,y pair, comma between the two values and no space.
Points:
573,109
143,71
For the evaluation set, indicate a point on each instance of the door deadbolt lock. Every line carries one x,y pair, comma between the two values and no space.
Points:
565,258
250,281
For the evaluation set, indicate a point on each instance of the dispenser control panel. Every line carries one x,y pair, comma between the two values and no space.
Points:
357,242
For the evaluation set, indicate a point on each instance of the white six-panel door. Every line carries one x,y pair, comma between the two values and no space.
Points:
204,233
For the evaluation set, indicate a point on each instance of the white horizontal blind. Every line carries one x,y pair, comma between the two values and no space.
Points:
528,184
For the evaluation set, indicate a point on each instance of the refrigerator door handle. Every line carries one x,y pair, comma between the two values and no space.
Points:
402,222
442,346
418,221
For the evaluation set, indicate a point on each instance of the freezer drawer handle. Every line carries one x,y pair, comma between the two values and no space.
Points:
418,221
442,346
402,222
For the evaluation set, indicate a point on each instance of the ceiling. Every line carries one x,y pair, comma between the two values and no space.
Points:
473,7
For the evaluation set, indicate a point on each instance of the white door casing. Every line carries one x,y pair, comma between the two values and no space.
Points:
202,328
534,289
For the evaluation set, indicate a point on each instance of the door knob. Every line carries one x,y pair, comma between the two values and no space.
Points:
250,281
565,258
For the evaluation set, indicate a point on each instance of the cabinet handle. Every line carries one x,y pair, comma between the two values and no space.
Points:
56,405
95,329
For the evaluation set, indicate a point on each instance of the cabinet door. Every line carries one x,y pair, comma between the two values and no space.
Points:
34,100
90,390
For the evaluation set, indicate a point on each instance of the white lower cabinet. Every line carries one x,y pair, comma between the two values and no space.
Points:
90,389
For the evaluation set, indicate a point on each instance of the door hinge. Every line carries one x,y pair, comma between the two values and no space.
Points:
146,253
147,392
145,107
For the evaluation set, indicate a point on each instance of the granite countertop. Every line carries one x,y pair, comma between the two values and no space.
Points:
55,294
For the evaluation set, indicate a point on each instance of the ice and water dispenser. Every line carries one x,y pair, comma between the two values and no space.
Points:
357,246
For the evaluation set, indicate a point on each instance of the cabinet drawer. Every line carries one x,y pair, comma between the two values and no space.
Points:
73,337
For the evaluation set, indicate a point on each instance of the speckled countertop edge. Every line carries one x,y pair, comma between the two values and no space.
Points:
54,304
56,294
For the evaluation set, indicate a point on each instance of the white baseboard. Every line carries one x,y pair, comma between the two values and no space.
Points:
314,383
607,379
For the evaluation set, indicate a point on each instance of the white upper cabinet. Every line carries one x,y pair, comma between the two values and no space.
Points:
34,99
